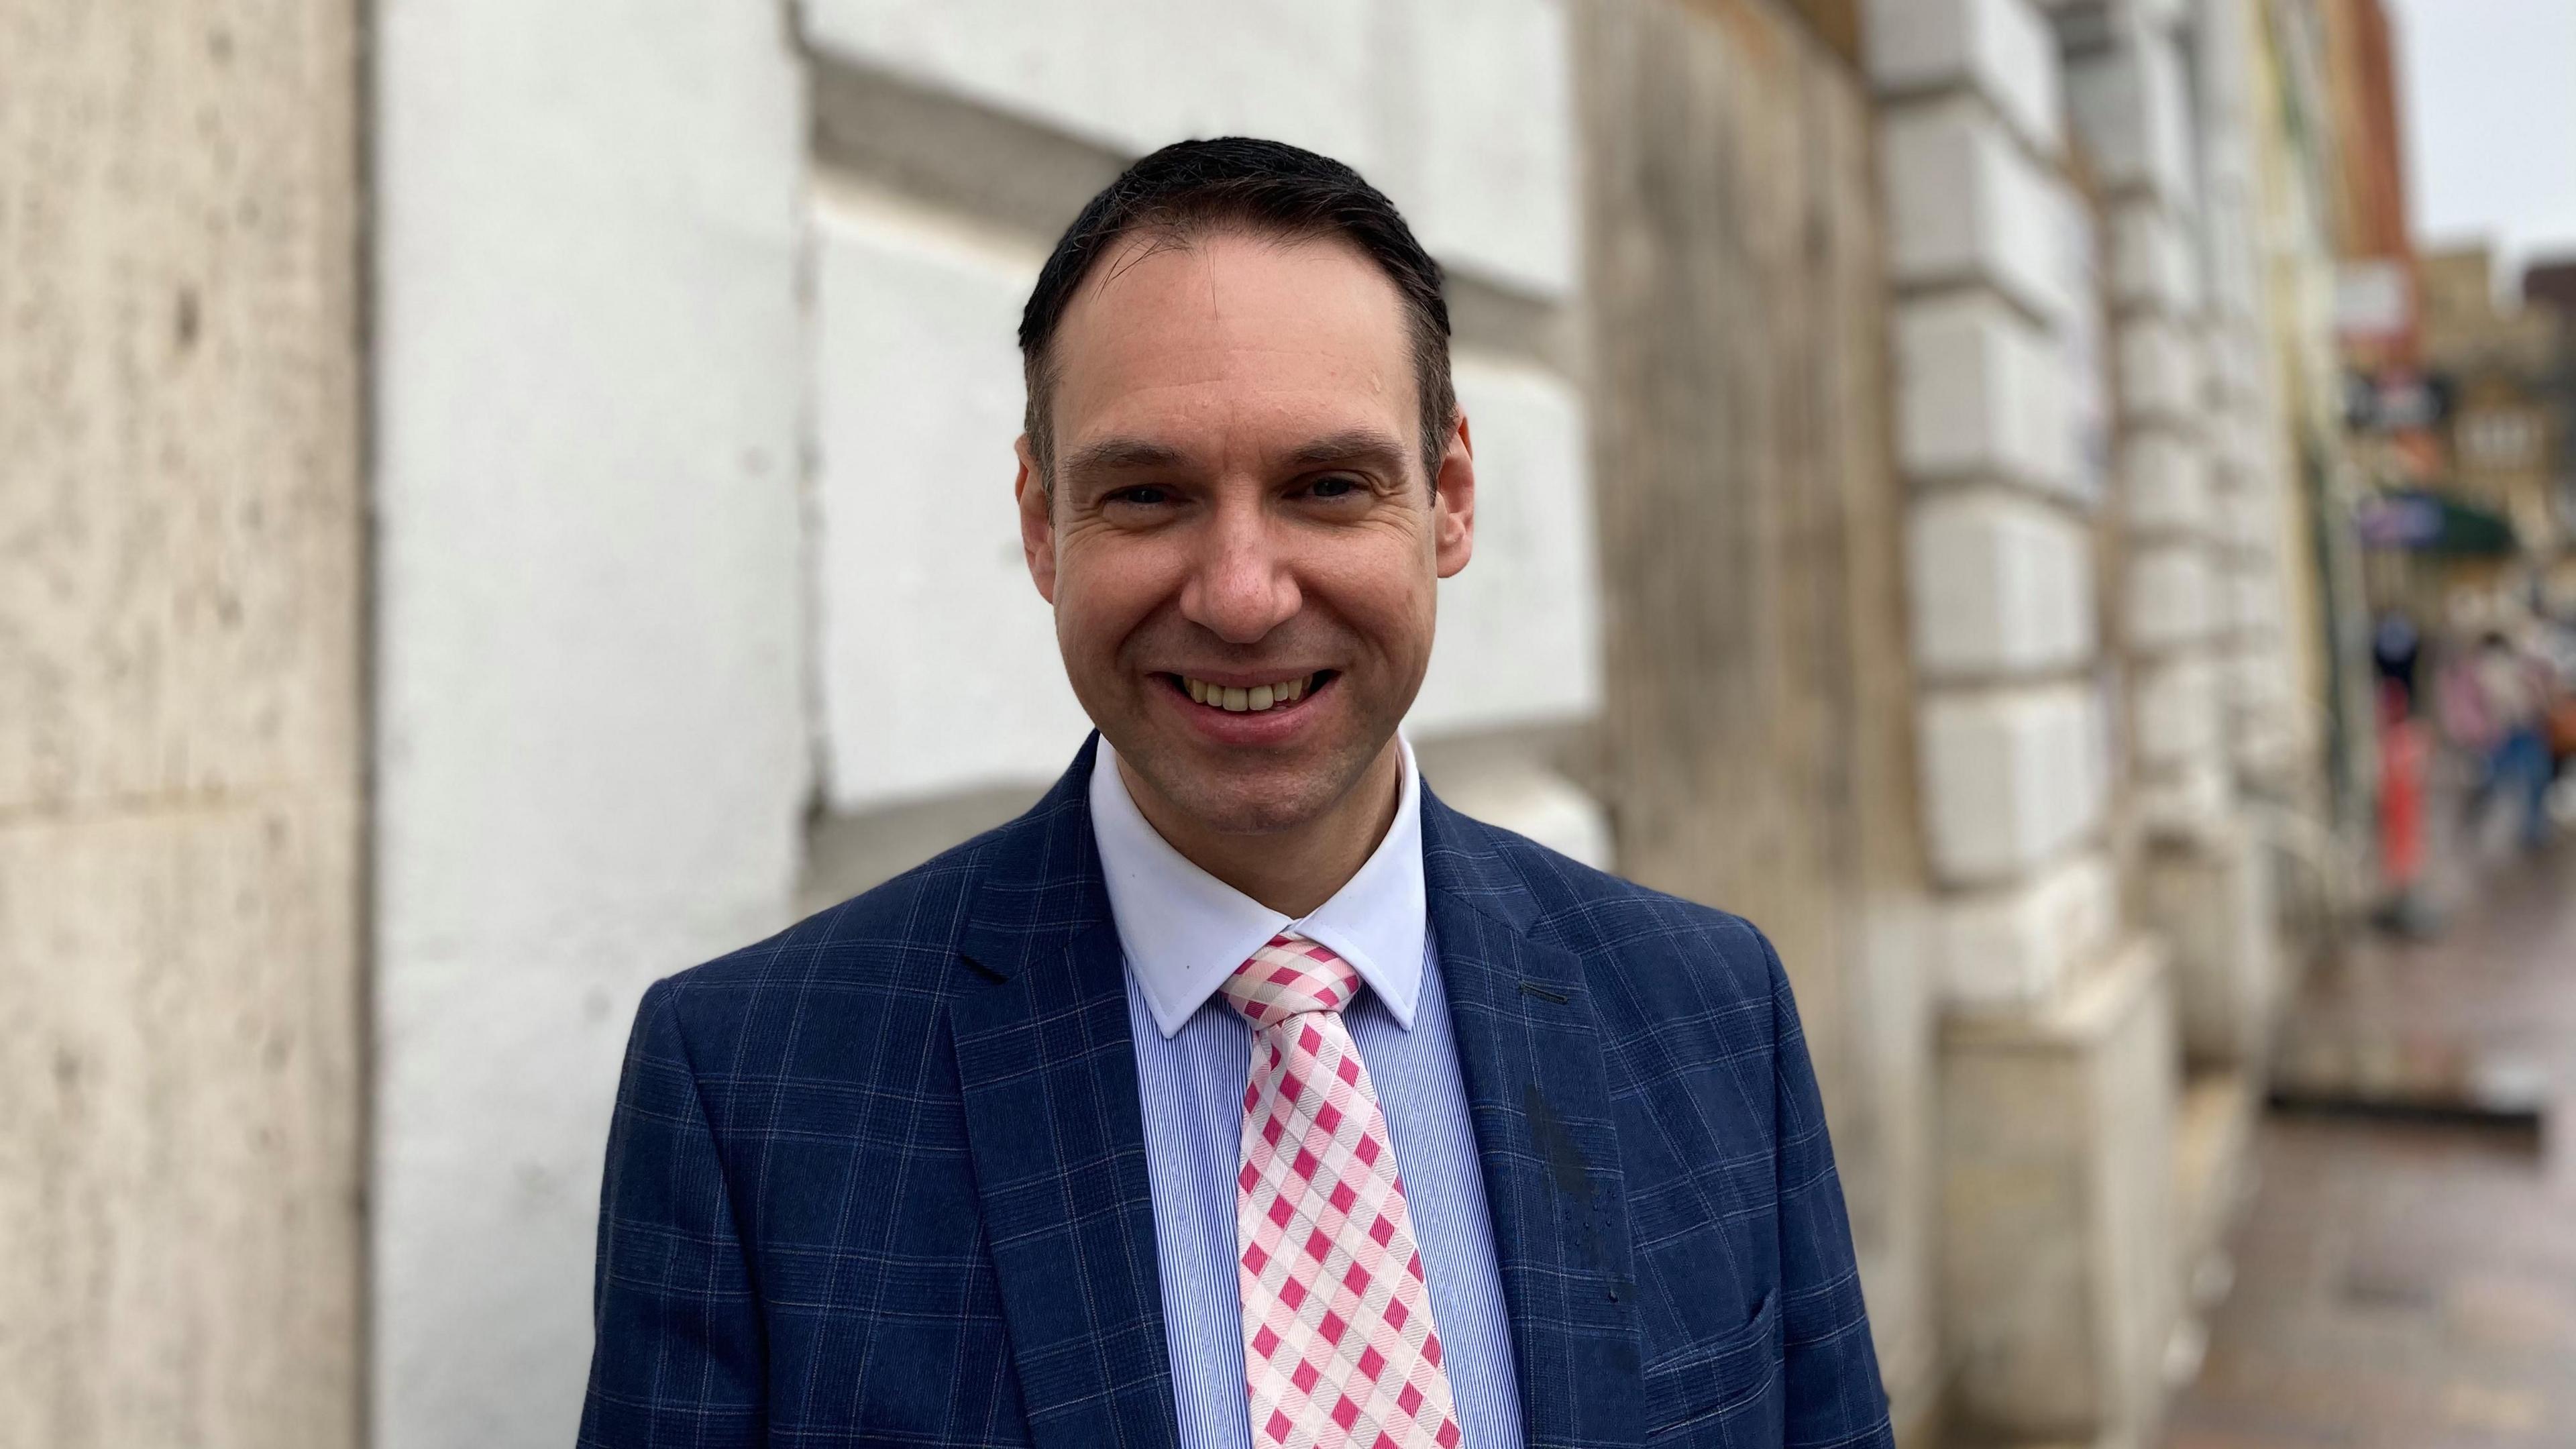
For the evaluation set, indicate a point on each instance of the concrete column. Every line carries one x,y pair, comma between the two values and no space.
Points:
181,725
2055,1052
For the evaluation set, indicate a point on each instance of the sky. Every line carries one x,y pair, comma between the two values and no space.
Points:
2489,95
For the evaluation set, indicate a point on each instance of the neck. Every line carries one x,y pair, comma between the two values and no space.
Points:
1291,871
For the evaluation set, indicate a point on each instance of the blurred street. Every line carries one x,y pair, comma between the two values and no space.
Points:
2413,1285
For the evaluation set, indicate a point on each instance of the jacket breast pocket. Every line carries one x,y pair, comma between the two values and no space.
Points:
1694,1390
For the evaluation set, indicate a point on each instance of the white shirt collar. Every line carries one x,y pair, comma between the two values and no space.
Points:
1184,931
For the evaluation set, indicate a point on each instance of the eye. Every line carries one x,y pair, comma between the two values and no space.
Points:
1336,485
1143,495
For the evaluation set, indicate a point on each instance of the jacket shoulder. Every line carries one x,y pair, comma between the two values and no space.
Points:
900,936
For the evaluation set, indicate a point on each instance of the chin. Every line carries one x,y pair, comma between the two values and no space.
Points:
1260,801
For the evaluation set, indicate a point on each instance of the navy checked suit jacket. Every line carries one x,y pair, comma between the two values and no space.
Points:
880,1179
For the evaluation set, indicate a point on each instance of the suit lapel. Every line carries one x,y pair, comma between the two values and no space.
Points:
1048,1075
1529,1049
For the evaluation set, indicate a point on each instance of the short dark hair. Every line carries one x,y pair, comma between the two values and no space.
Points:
1267,187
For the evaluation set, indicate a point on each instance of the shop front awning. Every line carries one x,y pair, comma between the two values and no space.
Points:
2417,521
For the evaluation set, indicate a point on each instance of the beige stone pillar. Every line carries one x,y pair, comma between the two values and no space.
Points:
180,760
2056,1058
1757,724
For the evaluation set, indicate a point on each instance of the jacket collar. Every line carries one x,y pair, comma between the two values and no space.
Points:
1047,1070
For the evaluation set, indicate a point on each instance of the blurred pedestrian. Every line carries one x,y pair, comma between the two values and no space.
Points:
2515,695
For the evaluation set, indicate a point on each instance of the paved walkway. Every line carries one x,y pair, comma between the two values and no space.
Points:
2413,1286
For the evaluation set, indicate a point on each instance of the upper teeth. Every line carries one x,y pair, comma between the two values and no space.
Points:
1258,697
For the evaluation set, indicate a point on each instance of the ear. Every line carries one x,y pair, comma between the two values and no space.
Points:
1453,502
1037,521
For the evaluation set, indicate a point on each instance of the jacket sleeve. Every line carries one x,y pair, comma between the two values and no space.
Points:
679,1356
1833,1398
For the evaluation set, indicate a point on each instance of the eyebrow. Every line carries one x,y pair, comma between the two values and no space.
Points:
1120,455
1359,445
1355,446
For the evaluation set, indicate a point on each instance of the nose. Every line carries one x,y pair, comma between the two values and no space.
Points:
1240,586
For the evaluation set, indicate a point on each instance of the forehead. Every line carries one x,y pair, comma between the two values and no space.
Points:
1229,338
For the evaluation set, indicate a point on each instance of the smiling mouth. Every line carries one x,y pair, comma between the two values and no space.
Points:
1258,699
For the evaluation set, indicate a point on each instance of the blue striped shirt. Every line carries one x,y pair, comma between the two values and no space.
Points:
1191,1083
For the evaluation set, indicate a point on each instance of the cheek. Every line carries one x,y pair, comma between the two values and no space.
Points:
1388,596
1106,588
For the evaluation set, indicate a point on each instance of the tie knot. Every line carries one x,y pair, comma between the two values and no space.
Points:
1289,977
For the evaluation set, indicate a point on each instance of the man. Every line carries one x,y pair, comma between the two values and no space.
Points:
1240,1092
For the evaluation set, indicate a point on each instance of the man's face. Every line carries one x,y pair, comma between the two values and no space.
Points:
1241,547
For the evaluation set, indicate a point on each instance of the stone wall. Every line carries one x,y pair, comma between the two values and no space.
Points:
2058,1276
1756,743
181,738
590,679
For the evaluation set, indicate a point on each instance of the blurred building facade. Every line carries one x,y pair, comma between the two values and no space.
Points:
1909,429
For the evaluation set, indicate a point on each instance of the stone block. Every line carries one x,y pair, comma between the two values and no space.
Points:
2169,597
1982,393
2000,49
2018,944
2153,263
2000,584
1461,110
1966,202
1520,628
2012,777
2214,1126
2249,520
2176,711
2160,371
2238,360
2253,602
2184,800
917,398
2132,110
2212,902
2165,484
2058,1274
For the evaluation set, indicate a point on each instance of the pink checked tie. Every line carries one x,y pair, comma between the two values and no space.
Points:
1338,1343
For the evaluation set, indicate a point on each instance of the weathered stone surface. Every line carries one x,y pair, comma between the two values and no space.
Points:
2212,900
1999,584
180,726
1966,203
1755,736
2177,714
2171,597
2058,1277
2000,49
2160,372
179,1166
2165,484
2010,777
2131,108
1982,392
2018,944
2153,265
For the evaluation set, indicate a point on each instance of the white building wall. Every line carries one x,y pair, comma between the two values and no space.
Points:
589,718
